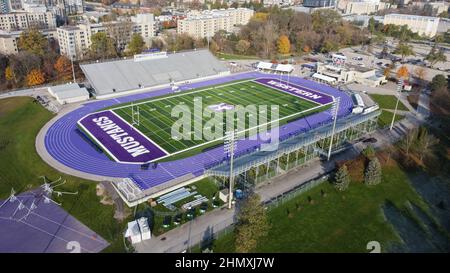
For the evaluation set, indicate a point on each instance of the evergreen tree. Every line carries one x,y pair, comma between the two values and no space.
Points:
372,175
342,179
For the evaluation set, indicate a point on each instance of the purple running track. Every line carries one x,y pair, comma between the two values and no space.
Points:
66,145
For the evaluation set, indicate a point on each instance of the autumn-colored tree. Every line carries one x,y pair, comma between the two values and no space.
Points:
9,74
306,49
260,16
35,77
33,41
387,72
64,68
420,73
402,72
284,46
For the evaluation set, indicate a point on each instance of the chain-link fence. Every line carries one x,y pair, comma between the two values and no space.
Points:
289,195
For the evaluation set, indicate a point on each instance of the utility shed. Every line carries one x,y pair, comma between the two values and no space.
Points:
69,93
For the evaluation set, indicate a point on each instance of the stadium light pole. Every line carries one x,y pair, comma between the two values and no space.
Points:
230,145
334,112
399,87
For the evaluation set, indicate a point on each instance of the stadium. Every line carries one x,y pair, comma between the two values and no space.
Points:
125,136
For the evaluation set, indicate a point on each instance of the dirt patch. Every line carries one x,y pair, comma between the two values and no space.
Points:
355,168
101,192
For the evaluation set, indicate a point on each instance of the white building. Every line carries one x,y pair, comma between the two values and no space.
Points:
74,41
332,73
138,230
8,39
69,93
25,20
423,25
359,7
207,23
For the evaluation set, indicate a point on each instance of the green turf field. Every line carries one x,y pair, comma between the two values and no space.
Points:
156,120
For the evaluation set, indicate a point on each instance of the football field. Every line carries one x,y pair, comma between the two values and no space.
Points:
153,127
155,115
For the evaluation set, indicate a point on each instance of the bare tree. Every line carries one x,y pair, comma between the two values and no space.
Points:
120,32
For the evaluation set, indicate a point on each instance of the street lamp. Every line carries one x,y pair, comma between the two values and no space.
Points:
230,147
334,112
399,88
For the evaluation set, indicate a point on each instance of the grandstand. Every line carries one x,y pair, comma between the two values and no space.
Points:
150,71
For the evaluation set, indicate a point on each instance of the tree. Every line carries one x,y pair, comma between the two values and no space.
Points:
372,175
407,142
329,46
35,77
436,56
387,72
136,44
9,74
33,41
404,50
371,25
102,46
242,46
438,82
425,143
252,224
402,72
268,36
342,179
119,32
284,45
325,20
369,152
420,73
64,68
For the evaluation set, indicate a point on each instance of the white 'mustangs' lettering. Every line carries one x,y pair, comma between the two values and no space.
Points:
127,142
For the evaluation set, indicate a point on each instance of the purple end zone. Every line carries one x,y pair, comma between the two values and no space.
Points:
299,91
120,140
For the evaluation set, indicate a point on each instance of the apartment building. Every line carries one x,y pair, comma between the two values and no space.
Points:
359,7
207,23
423,25
24,20
74,41
8,39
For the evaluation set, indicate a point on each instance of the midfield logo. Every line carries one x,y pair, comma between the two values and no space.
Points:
256,122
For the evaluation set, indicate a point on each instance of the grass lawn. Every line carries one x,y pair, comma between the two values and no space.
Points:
338,222
227,56
385,118
388,102
21,166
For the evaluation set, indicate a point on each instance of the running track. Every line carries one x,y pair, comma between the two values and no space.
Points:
65,145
